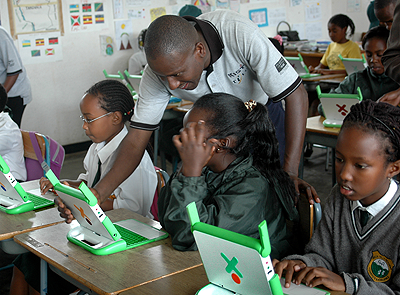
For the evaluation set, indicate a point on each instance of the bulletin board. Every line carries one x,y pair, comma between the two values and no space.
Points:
35,16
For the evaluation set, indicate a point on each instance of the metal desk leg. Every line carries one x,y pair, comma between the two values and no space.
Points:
43,277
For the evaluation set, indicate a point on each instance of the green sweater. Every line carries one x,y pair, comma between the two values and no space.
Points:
237,199
371,86
369,254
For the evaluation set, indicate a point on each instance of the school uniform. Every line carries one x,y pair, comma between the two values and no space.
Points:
372,86
12,147
238,199
366,257
243,63
136,193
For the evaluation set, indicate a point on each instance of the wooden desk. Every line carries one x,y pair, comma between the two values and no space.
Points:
187,282
110,274
334,77
317,133
310,58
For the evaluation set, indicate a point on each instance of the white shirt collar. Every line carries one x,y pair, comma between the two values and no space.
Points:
105,150
376,207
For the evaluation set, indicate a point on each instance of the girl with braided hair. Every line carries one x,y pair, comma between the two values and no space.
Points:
231,169
105,108
355,246
330,62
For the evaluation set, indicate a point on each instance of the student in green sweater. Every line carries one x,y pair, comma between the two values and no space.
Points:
356,245
372,80
231,169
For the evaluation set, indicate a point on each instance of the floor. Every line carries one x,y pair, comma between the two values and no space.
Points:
314,173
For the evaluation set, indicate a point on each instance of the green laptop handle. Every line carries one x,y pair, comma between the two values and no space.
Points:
84,194
262,246
340,95
354,59
132,76
3,166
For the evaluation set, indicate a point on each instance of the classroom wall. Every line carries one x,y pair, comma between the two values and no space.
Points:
58,86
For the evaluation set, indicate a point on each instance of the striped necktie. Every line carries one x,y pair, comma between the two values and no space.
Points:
98,174
364,217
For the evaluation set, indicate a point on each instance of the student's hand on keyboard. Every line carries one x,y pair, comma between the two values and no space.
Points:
289,268
64,211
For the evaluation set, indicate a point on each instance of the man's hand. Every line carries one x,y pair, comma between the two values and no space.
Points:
302,186
290,267
392,97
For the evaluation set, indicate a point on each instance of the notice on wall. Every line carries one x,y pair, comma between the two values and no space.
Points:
40,48
313,12
353,6
314,31
86,16
275,15
259,16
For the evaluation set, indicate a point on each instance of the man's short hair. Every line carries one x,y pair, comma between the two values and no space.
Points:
3,97
379,4
167,34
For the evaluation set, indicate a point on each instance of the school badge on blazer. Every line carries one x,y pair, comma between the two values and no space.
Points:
380,267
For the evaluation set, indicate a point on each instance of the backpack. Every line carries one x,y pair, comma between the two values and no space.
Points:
41,154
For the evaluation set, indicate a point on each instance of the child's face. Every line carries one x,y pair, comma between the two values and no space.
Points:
361,169
336,33
102,129
374,49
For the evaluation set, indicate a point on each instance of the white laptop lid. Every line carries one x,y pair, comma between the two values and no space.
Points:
336,109
9,197
234,267
298,65
353,66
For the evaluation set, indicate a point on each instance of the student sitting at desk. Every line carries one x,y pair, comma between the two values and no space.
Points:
372,80
355,246
231,169
105,108
330,62
11,145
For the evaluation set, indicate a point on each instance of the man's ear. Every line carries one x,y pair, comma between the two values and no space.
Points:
200,49
394,169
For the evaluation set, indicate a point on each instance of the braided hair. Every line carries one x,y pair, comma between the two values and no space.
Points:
253,133
113,96
379,119
343,21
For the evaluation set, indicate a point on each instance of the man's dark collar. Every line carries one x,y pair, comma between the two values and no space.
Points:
211,35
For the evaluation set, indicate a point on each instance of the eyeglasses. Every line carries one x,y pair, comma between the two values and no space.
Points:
92,120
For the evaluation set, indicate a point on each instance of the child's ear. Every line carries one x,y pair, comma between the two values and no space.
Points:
117,117
394,169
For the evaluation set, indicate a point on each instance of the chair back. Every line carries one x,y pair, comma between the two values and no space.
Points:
309,217
162,179
41,153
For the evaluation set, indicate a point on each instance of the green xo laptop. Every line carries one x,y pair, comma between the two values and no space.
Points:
238,264
336,106
13,198
300,67
96,233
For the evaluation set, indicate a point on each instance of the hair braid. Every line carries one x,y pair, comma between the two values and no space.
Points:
378,118
114,96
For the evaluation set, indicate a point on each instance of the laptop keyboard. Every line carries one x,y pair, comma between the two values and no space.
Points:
39,201
130,237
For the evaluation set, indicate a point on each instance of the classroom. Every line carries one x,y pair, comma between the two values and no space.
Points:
87,41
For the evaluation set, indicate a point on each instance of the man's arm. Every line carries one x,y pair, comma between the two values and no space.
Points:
130,153
296,109
391,57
